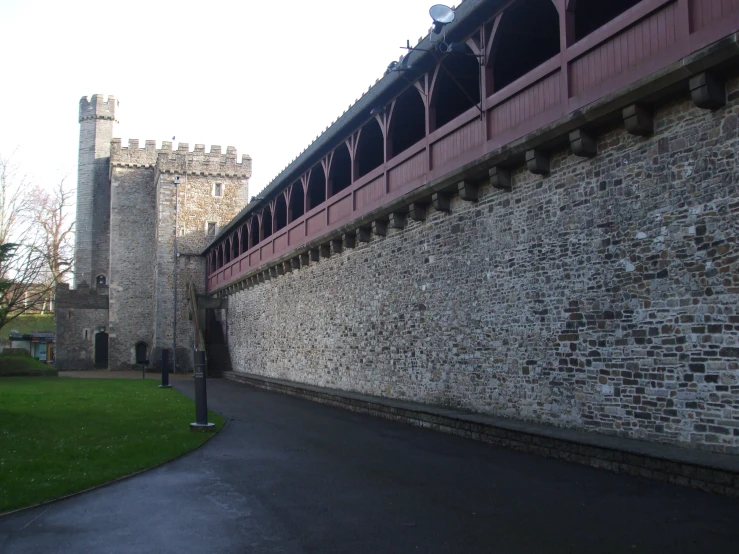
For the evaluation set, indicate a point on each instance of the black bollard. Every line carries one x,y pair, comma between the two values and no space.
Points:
165,369
201,400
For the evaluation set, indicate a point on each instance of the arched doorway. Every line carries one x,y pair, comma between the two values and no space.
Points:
141,351
101,350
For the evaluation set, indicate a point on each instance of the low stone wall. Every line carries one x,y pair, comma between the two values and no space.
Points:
601,297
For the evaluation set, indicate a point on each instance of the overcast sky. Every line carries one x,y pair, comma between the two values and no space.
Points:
265,77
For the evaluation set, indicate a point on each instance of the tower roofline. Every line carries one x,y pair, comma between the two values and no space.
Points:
96,107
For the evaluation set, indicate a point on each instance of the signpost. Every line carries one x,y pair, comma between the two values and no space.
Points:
201,401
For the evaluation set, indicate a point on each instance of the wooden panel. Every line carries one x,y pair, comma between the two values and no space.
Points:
705,12
296,234
454,144
244,265
281,243
528,103
407,171
626,50
340,210
316,223
369,193
266,250
254,259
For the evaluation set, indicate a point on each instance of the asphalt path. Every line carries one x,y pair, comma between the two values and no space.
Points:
288,475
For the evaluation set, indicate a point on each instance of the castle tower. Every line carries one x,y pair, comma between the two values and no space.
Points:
92,247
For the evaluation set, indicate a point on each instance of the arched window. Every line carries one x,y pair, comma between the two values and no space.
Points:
266,222
244,238
407,123
297,200
254,234
593,14
528,35
370,148
340,175
316,187
280,205
457,87
100,280
234,246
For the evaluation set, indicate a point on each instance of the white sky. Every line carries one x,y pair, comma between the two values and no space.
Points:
265,77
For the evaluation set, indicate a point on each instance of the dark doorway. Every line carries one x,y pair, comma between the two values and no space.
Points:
141,349
101,350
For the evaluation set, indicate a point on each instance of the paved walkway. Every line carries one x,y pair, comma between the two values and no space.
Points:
291,476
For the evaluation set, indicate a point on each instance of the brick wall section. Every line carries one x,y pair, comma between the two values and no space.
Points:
78,311
602,297
132,257
92,228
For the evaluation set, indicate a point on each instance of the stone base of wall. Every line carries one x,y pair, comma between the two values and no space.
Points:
710,472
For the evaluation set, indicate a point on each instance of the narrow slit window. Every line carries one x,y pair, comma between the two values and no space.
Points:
218,190
211,228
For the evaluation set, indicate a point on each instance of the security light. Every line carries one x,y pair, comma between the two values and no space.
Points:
442,15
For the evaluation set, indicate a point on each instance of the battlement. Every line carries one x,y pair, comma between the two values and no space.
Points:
97,108
180,161
81,298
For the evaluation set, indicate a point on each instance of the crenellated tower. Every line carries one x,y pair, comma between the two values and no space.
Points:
92,246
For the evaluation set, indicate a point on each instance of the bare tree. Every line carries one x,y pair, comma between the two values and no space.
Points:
49,213
26,275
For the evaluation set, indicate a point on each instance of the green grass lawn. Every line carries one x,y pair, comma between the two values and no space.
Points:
63,435
29,323
13,364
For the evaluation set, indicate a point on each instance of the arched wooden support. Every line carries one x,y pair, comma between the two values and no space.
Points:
638,119
304,178
260,215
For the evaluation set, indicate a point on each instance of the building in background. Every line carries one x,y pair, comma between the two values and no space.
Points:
143,217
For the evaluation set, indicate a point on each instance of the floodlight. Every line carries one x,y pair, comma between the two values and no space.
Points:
442,15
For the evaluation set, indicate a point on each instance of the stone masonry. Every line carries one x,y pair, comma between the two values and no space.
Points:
80,315
601,297
92,227
127,219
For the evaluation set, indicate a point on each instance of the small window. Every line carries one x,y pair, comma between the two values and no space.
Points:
101,280
211,228
86,334
218,189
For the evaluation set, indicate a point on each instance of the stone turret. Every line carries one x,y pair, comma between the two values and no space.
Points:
97,120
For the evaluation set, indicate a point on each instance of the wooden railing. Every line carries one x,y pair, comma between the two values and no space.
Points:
649,36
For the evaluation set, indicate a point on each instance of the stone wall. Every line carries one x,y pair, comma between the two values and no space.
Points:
602,297
80,314
132,259
195,205
92,230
